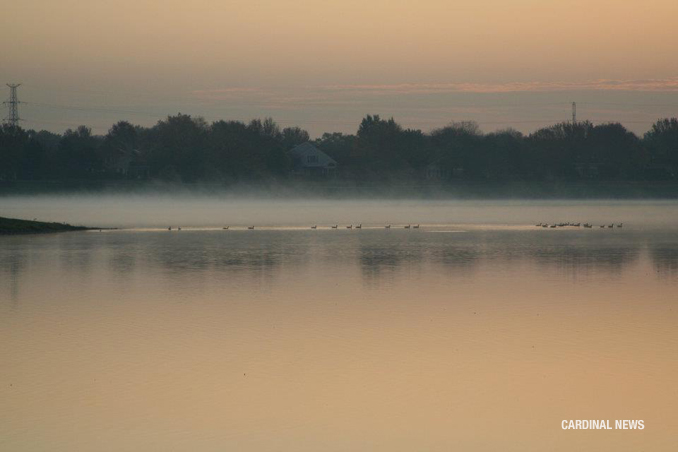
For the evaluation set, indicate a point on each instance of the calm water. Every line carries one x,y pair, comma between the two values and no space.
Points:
477,332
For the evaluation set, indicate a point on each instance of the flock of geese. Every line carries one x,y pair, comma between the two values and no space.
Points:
416,226
578,225
334,226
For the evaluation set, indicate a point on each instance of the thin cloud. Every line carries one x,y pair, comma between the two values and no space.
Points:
227,90
658,85
229,93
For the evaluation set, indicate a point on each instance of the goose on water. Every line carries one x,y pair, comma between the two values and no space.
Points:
416,226
335,226
314,226
407,227
388,226
250,227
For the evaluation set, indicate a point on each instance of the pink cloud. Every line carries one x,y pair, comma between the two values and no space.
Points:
661,85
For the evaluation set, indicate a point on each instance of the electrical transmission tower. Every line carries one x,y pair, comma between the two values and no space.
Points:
13,104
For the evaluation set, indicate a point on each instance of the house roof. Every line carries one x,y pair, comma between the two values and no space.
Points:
303,150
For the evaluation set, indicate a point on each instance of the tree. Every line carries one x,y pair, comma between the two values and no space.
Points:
293,136
180,143
249,151
616,150
122,136
77,155
505,153
185,148
556,150
459,147
12,142
341,147
662,140
377,141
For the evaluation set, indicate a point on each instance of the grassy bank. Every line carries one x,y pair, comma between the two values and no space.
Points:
11,226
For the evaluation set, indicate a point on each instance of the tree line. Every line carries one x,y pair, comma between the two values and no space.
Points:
183,148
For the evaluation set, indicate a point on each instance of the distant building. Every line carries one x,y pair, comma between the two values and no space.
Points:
308,160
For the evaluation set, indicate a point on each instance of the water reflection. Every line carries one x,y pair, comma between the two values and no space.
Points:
122,261
665,260
610,259
12,265
77,252
457,259
377,254
315,333
383,261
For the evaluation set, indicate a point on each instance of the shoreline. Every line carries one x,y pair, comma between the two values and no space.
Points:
13,226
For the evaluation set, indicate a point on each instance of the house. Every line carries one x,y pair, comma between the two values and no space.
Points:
308,160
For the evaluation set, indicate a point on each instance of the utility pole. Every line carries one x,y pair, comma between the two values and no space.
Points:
574,113
13,105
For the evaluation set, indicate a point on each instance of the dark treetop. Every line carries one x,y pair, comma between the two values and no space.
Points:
187,149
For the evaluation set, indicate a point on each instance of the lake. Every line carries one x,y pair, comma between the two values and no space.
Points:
478,331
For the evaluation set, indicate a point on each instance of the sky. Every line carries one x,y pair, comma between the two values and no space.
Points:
323,65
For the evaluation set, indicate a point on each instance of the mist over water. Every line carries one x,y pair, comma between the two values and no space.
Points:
209,211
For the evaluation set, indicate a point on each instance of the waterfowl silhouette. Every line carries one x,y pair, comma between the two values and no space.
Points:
388,226
407,226
315,226
360,226
416,226
335,226
349,227
620,225
250,227
226,227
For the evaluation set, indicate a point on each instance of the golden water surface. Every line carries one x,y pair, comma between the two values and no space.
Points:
448,337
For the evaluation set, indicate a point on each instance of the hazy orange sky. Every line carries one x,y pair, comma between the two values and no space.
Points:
325,64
